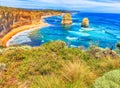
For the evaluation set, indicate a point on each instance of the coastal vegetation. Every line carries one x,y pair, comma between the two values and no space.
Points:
54,65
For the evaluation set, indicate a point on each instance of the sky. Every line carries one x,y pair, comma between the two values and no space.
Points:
101,6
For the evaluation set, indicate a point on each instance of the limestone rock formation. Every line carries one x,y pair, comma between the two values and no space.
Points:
85,23
67,19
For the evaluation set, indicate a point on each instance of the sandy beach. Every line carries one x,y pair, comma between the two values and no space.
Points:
14,31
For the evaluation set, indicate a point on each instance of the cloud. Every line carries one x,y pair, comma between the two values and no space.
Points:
82,5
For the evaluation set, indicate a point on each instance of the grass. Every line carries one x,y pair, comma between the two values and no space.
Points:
54,65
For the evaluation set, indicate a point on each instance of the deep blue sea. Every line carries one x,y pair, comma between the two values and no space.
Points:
104,31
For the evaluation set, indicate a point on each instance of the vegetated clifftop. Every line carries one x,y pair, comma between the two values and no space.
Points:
54,65
13,17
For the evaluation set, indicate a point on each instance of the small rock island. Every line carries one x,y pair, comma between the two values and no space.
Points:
85,23
67,19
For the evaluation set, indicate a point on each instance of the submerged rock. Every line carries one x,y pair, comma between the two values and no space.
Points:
85,23
67,26
67,19
118,45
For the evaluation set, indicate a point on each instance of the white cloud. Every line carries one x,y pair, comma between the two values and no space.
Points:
84,5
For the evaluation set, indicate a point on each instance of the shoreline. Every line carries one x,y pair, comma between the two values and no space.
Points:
13,32
27,32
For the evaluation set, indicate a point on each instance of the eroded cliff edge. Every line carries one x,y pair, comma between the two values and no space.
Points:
11,18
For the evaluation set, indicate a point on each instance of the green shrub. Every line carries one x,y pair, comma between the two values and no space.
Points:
55,46
109,80
16,54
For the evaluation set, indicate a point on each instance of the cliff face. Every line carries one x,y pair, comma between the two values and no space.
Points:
12,18
67,19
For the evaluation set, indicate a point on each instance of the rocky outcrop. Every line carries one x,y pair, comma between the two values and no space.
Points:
67,19
85,23
11,18
98,52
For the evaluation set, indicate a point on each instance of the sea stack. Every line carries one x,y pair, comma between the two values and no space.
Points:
85,23
67,19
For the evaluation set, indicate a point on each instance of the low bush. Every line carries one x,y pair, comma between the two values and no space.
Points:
109,80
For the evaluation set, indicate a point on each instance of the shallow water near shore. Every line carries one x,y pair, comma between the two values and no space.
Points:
104,31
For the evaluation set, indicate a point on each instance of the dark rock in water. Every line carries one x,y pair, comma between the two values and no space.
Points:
67,19
85,23
118,45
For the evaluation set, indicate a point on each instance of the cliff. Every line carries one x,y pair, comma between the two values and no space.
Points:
11,18
67,19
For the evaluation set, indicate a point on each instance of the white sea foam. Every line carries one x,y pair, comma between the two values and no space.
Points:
71,38
103,31
79,33
76,24
118,37
86,29
73,46
42,41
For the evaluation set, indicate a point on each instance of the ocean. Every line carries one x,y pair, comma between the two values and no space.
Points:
103,31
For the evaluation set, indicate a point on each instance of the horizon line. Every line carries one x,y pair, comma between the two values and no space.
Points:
58,10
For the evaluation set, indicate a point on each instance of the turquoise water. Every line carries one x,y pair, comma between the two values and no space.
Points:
104,31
